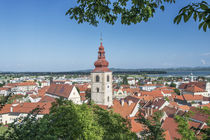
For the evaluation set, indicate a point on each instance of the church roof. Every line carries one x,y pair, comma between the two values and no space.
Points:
101,65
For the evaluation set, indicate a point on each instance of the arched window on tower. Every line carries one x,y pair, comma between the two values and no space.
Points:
108,99
107,78
97,89
97,78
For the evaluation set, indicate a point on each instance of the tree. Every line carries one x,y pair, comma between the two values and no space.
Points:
134,11
172,84
40,84
177,91
125,80
2,84
206,132
67,120
183,128
88,94
4,100
153,129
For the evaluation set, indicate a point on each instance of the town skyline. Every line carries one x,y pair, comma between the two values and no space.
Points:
37,36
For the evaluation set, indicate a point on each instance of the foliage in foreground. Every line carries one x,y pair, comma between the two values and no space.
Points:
188,133
67,120
135,11
184,129
153,129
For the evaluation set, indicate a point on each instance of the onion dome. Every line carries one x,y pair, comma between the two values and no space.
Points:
101,65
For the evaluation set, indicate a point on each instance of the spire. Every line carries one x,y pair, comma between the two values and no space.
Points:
101,39
101,65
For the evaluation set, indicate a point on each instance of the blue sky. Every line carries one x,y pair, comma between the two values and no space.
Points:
35,35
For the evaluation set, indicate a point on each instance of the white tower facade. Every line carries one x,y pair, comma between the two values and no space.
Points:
101,80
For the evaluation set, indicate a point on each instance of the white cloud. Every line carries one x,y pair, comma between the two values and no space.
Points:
203,62
206,54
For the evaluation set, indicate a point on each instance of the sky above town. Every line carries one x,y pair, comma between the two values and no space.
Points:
35,35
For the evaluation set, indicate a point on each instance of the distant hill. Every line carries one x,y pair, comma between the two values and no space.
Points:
121,70
165,69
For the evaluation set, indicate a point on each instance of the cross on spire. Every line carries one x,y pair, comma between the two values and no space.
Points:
101,37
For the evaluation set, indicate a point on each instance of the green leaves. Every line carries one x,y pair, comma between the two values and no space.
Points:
162,7
92,11
183,128
200,10
203,6
153,129
67,120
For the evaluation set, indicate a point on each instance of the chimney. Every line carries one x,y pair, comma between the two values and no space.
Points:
11,109
151,111
148,111
146,115
130,102
122,102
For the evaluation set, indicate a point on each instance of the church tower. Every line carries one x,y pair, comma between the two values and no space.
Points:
101,80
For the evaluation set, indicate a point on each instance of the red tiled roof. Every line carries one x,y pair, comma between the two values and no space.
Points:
184,107
136,127
168,91
42,91
198,115
5,88
61,90
47,99
170,111
27,108
165,88
149,85
154,93
82,87
201,85
171,125
179,97
5,109
207,105
21,84
194,89
124,110
83,96
173,104
167,135
189,97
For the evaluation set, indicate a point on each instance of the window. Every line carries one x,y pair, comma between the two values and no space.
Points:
108,99
107,78
97,89
97,78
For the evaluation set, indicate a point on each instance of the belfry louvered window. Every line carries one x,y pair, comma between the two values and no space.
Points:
97,78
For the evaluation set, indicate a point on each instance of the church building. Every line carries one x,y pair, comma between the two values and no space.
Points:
101,80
